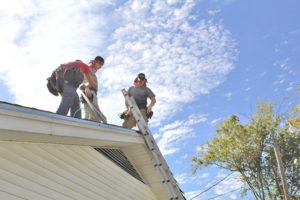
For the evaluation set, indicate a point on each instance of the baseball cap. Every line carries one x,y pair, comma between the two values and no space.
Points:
99,59
141,76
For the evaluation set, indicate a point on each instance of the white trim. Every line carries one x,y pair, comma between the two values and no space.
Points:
33,127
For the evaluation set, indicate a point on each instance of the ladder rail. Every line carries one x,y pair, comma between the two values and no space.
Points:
149,141
160,163
94,109
158,155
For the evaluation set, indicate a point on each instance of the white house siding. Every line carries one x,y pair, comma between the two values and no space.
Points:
51,171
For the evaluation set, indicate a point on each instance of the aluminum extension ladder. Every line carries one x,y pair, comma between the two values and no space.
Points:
160,163
95,110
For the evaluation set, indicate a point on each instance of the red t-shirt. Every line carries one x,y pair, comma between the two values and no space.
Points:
83,67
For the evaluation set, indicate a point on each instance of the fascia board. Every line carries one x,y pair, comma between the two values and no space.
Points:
21,123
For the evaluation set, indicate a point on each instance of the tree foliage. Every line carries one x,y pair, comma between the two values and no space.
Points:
248,150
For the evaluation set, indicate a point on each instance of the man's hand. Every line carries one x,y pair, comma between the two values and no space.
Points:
84,85
125,114
128,112
87,92
149,109
81,86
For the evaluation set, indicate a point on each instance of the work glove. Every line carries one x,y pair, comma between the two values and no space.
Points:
149,114
124,115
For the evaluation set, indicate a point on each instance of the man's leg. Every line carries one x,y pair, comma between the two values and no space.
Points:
85,111
88,111
67,99
129,122
94,116
75,108
144,114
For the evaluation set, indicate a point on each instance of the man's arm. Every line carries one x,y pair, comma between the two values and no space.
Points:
152,103
85,86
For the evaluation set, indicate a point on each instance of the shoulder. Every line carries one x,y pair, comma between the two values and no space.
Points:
81,64
84,67
149,92
130,88
148,89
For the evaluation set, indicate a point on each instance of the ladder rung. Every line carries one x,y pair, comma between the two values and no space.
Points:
160,164
95,110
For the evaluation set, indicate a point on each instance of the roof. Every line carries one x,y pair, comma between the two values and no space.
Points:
24,124
42,126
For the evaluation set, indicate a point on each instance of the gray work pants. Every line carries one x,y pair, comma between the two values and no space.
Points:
130,121
69,101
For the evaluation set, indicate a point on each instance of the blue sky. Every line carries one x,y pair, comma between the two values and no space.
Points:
205,60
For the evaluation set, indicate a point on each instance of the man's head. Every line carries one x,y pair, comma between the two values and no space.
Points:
140,80
97,63
99,59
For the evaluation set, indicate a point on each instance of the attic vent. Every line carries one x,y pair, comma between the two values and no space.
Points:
119,158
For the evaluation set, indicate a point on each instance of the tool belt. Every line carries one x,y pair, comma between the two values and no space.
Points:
125,116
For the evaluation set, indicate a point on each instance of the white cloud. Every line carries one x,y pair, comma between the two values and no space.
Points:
283,64
214,12
205,175
224,1
281,81
262,74
39,36
172,135
182,178
186,156
193,194
228,95
289,88
226,189
181,59
187,178
233,196
216,121
297,31
246,99
232,183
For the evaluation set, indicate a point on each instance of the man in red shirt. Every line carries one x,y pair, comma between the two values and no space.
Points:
69,77
90,89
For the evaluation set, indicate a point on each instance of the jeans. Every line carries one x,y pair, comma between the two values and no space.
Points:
69,101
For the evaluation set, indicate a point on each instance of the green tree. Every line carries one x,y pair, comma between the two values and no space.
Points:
248,150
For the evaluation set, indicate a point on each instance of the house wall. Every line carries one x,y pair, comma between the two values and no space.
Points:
53,171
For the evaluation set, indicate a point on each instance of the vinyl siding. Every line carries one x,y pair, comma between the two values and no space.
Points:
48,171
